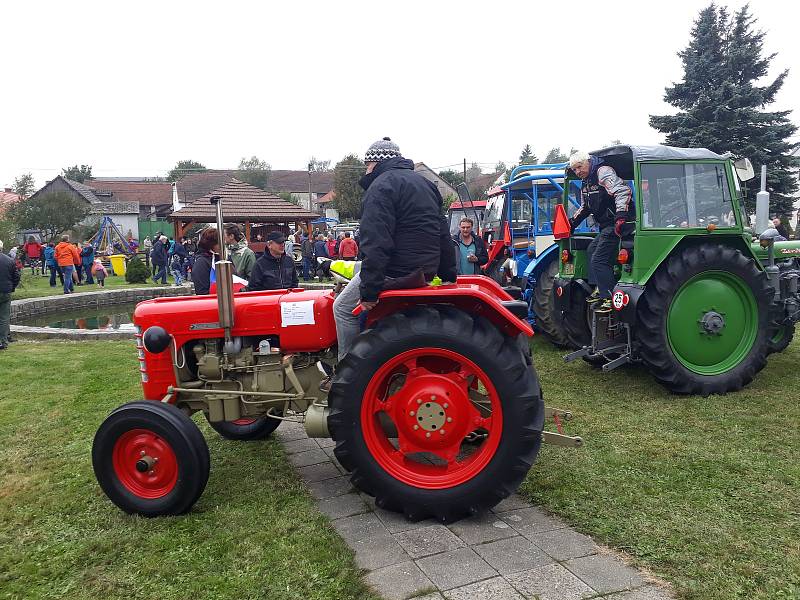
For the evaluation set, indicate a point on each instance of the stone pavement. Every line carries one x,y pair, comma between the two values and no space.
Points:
516,551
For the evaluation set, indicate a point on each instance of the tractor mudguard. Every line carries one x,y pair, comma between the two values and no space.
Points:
538,264
563,291
624,299
472,294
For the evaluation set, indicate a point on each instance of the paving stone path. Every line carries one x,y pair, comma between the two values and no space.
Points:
516,551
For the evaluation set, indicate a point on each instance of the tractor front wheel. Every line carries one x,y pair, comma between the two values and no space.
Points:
544,306
702,321
150,459
779,338
245,429
436,413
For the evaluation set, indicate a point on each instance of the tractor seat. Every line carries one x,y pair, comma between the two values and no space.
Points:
513,291
580,242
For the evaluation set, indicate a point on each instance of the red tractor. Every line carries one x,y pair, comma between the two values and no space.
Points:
437,411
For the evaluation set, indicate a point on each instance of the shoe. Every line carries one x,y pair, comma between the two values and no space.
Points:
325,384
10,339
604,306
3,346
593,297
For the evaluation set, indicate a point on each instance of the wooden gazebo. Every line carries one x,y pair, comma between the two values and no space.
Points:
242,203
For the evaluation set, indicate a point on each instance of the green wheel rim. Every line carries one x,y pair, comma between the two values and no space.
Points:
708,296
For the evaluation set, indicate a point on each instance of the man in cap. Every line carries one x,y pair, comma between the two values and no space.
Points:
274,270
405,240
609,200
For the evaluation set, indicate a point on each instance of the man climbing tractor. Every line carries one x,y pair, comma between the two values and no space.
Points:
606,197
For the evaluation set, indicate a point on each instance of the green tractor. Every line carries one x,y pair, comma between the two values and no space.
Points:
698,301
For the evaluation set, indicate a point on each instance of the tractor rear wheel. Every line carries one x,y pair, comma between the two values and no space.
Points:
779,338
150,459
544,306
702,321
576,318
245,429
466,411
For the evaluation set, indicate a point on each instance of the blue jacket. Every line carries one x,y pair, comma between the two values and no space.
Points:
321,249
50,256
87,256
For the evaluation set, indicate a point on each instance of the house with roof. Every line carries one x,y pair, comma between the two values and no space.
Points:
7,198
445,189
307,188
258,212
124,212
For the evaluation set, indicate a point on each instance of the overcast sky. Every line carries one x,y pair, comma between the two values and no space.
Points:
132,87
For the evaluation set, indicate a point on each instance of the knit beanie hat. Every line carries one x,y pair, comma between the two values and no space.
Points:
382,150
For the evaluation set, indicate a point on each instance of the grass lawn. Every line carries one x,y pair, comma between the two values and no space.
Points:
255,532
35,286
703,491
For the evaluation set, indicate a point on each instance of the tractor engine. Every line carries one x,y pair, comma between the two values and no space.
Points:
246,378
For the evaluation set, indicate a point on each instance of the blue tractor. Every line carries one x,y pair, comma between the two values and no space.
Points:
518,232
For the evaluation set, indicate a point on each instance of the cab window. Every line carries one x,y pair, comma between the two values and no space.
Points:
679,195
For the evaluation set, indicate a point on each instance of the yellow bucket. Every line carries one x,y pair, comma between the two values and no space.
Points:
118,264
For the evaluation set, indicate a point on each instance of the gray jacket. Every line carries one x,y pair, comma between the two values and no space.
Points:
9,274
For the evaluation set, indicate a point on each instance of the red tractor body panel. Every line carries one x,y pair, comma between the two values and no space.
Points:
256,314
260,314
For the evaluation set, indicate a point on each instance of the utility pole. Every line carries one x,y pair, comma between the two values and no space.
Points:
465,170
309,185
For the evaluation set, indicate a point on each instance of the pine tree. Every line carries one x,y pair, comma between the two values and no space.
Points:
555,156
527,157
721,107
136,271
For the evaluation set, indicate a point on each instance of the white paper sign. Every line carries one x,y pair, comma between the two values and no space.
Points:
297,313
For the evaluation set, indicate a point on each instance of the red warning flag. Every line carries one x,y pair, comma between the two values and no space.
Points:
561,228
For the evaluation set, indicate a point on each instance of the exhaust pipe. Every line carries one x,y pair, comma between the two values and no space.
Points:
224,274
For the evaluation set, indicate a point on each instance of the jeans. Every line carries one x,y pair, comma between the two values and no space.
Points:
161,274
79,272
88,270
53,272
602,253
5,317
176,273
307,267
67,273
348,326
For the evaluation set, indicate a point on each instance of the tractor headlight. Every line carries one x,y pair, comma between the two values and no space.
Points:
156,339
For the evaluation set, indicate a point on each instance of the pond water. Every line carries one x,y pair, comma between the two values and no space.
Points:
118,317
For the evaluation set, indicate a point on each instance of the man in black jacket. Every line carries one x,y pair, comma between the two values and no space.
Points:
274,270
471,252
405,240
9,280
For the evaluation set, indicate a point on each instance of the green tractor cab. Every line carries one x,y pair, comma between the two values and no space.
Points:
697,301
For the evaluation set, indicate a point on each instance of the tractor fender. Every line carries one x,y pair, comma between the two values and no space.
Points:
624,298
476,295
563,290
541,262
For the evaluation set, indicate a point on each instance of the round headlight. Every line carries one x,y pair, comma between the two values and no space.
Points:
156,339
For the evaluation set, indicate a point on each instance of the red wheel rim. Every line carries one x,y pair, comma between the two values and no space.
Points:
424,392
244,421
145,464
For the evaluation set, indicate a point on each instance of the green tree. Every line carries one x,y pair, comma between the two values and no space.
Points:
500,167
53,213
183,167
319,166
24,185
136,271
254,171
452,177
555,156
347,191
721,108
8,232
76,173
527,157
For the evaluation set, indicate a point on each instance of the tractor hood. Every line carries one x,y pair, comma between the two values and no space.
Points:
783,250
